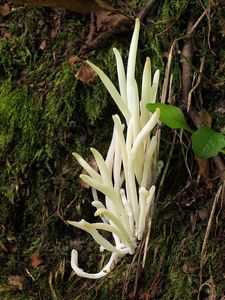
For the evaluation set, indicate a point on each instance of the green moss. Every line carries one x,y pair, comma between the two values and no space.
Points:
14,57
171,9
20,116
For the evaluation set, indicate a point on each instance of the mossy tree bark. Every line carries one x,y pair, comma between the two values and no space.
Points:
48,110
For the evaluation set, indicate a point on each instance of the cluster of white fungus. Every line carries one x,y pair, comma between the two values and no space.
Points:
126,177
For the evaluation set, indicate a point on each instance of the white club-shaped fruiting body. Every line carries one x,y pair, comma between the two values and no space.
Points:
126,177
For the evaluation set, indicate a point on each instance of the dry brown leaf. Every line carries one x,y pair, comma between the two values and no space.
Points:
10,238
14,249
36,260
203,213
83,184
4,10
54,33
6,35
203,165
94,166
79,6
16,282
188,269
3,247
42,45
85,74
205,118
73,59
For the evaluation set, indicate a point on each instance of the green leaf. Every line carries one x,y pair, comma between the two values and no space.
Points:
207,143
170,115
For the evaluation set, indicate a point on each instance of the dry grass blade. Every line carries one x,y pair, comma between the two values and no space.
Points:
54,296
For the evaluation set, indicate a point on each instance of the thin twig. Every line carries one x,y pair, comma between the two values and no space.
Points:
206,237
136,258
149,226
185,155
203,252
145,10
166,168
211,287
167,74
196,24
199,76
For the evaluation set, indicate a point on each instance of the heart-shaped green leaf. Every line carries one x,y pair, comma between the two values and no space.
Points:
170,115
207,143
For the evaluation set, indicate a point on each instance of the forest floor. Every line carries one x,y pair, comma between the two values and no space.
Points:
52,104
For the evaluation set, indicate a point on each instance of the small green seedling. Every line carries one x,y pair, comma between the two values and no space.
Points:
206,142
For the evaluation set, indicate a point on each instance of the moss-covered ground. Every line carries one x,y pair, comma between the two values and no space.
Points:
46,113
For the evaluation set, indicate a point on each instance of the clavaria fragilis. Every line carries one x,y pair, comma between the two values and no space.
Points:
126,177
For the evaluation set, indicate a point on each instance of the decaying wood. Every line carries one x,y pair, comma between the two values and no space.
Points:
79,6
187,56
103,26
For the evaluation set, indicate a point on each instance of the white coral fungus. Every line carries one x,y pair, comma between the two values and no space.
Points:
128,173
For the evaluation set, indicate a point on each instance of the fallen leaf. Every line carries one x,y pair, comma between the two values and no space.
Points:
16,282
3,247
42,45
85,74
188,269
36,260
79,6
203,165
10,238
6,35
83,184
5,10
205,118
203,213
54,33
73,59
14,249
41,23
94,166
